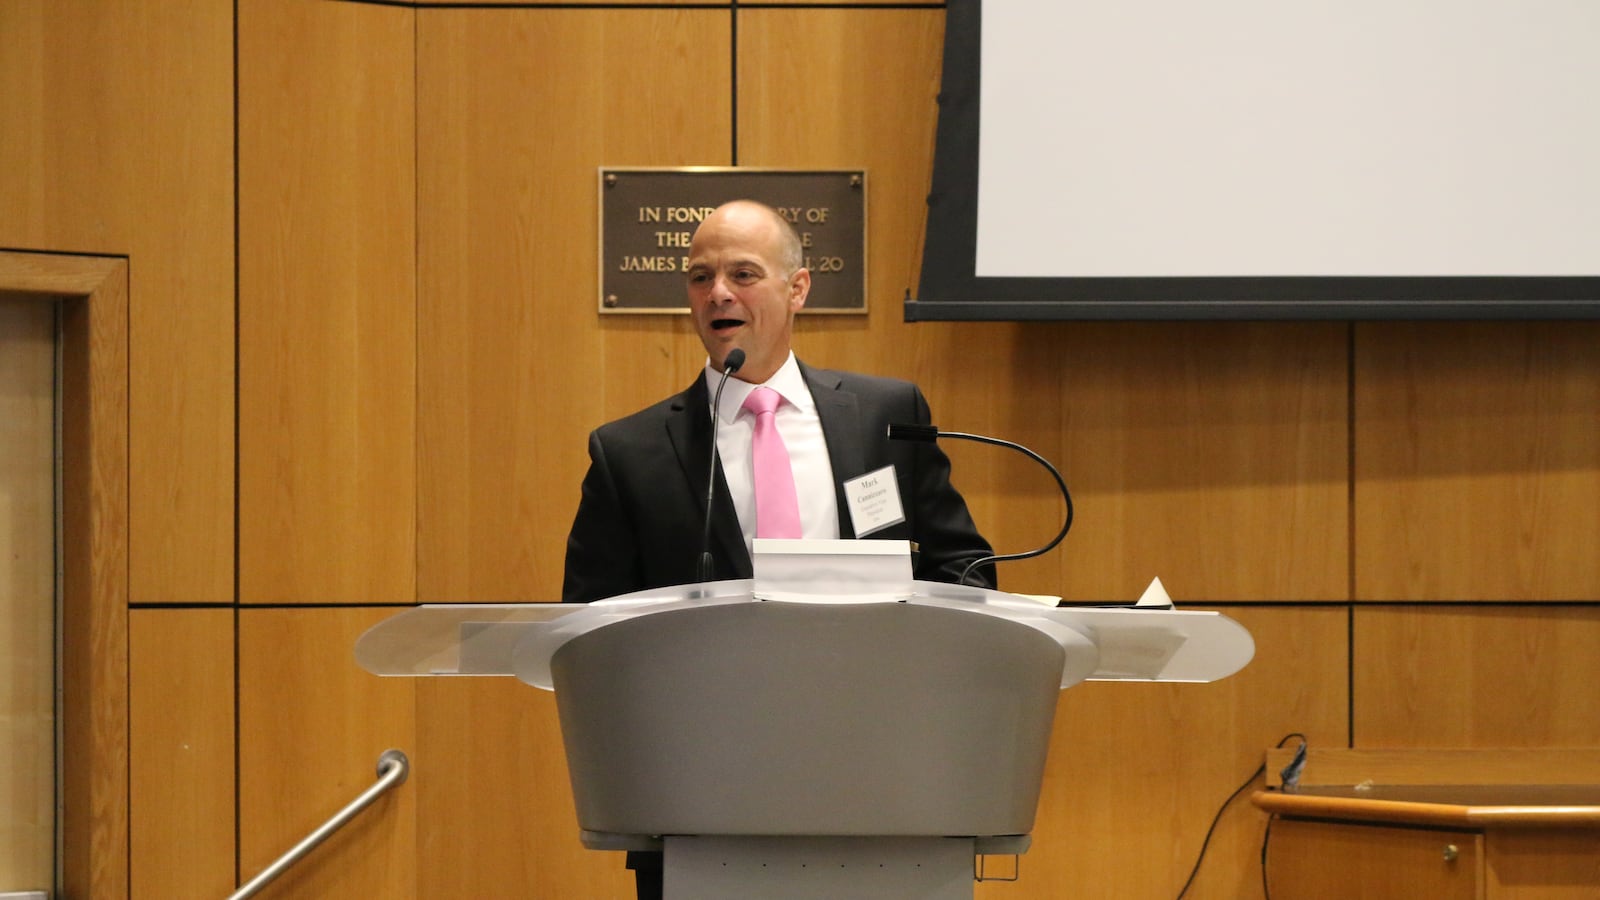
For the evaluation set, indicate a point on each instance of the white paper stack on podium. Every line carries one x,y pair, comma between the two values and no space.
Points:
830,728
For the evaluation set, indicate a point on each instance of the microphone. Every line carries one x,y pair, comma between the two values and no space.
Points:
730,365
928,434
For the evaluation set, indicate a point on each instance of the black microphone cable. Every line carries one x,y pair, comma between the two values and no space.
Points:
930,433
730,364
1260,770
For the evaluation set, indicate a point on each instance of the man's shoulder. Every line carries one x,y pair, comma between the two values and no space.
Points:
652,417
857,382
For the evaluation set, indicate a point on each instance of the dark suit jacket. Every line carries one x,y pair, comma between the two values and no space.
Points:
641,518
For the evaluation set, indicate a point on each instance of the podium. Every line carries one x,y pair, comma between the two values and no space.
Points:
820,747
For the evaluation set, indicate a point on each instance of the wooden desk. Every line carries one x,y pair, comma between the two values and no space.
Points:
1534,832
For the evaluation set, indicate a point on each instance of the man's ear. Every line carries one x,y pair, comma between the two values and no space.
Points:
799,288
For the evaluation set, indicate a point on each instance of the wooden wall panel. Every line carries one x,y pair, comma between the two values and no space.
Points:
498,798
907,3
1137,771
517,111
312,726
1477,461
542,4
1495,676
118,124
181,753
1212,455
327,311
567,3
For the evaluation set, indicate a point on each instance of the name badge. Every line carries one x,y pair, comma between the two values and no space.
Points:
874,501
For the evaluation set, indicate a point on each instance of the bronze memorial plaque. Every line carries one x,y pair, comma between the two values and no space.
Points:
648,215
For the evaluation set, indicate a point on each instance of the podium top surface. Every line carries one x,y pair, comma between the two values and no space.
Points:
1102,644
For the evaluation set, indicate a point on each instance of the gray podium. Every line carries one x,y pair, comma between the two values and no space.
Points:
834,744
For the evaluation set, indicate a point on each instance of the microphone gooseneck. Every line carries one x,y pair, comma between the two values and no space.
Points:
929,434
730,364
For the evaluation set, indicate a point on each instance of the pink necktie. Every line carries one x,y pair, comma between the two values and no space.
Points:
777,506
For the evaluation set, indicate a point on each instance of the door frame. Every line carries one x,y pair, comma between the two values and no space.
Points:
91,293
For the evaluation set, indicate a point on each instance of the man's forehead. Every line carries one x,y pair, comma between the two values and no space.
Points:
736,229
726,259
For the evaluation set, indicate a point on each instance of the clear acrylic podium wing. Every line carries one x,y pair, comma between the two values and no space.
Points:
482,639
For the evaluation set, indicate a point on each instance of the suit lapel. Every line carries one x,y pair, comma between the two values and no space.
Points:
689,428
840,416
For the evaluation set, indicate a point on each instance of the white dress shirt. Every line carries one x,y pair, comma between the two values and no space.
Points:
797,422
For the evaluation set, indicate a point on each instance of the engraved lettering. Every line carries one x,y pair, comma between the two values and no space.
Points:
688,213
648,264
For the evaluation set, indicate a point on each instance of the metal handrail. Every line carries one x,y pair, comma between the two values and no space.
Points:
392,769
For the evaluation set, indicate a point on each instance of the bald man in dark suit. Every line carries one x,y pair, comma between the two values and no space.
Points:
640,519
639,523
641,516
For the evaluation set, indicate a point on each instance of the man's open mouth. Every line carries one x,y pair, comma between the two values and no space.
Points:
725,324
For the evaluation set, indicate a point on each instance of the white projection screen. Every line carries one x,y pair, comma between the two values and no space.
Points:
1233,159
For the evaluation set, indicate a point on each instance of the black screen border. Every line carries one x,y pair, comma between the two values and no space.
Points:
949,288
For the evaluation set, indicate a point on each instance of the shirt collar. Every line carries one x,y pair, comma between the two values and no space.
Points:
787,381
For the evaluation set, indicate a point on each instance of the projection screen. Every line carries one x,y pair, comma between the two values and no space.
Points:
1266,159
